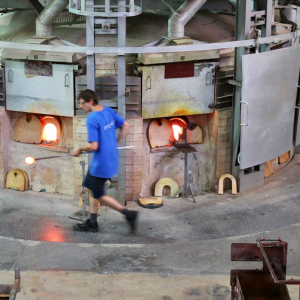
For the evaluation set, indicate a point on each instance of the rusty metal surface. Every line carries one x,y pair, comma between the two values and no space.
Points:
264,283
184,147
180,70
177,96
260,287
9,291
265,242
250,252
38,68
51,95
275,251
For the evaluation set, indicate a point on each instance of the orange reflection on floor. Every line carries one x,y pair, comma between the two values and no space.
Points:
53,235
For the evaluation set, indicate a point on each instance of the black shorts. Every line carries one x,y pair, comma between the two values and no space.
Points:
95,184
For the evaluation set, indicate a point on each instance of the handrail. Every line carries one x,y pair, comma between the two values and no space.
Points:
152,49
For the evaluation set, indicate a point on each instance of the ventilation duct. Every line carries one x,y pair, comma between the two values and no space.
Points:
47,16
183,14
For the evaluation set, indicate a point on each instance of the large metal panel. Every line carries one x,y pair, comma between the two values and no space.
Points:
297,141
53,95
269,90
177,96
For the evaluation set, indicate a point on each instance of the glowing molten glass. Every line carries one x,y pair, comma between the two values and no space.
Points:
29,160
50,132
177,130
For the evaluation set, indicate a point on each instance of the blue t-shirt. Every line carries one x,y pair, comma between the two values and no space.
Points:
101,126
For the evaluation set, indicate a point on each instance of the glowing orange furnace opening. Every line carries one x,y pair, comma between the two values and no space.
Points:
29,160
178,125
50,132
177,130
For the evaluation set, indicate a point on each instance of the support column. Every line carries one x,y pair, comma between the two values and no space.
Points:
266,30
242,32
90,58
90,42
121,95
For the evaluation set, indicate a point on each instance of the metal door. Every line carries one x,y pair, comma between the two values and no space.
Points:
51,94
162,97
297,141
269,90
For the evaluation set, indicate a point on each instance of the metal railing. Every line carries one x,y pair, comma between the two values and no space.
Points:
80,7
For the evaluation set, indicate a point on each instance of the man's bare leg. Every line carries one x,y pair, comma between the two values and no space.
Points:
92,224
112,203
131,216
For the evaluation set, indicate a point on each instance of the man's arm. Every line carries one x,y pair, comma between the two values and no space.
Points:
123,131
89,147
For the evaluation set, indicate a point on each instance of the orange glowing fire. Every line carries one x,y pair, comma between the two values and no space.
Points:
177,130
29,160
50,132
178,125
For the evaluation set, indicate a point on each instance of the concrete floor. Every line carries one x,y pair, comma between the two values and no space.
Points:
167,271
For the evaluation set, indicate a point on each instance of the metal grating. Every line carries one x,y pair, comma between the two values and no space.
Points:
67,18
44,217
224,90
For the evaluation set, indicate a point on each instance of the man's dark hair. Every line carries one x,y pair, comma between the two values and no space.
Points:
87,95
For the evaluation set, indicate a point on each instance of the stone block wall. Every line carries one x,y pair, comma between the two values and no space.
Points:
223,154
53,175
107,64
134,159
79,139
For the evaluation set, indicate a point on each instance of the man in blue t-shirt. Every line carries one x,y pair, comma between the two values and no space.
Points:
102,141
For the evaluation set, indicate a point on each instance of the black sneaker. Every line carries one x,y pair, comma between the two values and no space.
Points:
86,226
131,219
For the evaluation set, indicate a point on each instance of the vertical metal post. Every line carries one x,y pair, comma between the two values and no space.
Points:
131,5
266,30
82,163
295,40
90,42
107,6
243,18
121,94
189,173
186,179
82,5
90,59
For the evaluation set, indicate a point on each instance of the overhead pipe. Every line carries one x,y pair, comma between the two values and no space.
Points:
46,18
183,14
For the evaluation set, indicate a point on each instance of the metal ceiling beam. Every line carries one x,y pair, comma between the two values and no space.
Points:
147,4
150,49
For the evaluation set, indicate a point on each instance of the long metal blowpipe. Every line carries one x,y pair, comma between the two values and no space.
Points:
31,160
